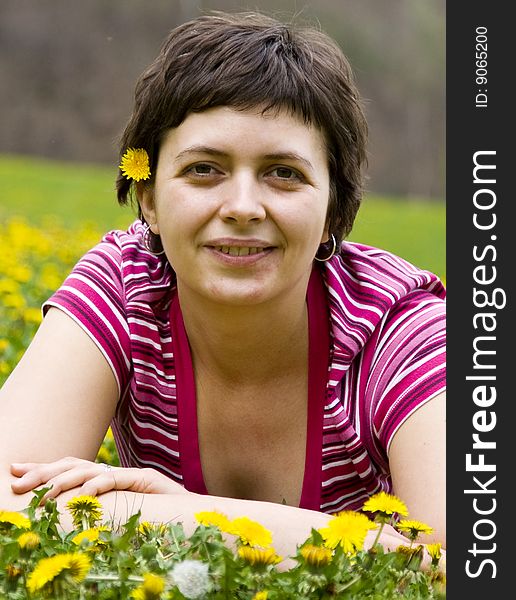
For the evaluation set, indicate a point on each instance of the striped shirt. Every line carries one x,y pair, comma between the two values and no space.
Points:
386,358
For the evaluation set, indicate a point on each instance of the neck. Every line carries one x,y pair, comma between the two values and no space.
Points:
248,344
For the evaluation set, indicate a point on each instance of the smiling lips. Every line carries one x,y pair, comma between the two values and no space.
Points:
240,248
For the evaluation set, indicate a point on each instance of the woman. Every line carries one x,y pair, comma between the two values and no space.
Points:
247,360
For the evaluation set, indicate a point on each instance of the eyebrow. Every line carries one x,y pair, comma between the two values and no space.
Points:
199,149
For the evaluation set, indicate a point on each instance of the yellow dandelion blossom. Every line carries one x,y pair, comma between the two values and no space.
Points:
147,528
92,535
214,518
259,556
4,344
8,517
9,286
317,556
29,540
32,315
135,164
103,455
261,595
76,565
85,509
413,528
12,571
435,552
413,555
151,588
250,532
347,529
386,505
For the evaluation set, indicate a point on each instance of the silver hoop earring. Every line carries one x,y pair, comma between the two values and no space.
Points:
149,241
331,253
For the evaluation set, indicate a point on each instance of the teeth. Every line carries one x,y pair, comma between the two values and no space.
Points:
238,250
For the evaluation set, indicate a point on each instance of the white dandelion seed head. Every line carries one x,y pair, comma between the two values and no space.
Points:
192,578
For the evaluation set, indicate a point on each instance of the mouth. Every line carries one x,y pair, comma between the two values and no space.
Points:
240,250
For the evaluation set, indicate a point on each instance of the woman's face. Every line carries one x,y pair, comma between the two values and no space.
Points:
240,201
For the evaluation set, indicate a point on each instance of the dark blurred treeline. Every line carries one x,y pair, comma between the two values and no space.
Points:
68,68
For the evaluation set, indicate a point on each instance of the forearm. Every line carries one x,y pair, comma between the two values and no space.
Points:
288,525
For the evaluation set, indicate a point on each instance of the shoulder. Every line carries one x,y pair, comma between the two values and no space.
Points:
375,277
368,289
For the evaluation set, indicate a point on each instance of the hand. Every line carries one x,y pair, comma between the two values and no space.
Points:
93,478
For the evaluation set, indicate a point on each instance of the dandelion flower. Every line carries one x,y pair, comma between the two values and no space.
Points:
259,556
317,556
250,532
76,565
14,518
92,535
151,588
85,509
148,529
215,518
386,505
191,578
261,595
29,540
12,571
413,528
435,552
135,164
347,529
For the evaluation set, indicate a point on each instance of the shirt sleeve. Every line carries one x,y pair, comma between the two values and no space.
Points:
93,296
408,366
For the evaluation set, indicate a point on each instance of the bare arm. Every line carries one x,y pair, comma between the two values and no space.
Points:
58,401
418,465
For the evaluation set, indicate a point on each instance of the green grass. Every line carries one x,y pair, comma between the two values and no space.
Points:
35,188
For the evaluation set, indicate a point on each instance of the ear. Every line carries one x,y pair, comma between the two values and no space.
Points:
145,195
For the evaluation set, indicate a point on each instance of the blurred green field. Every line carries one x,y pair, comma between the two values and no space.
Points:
34,188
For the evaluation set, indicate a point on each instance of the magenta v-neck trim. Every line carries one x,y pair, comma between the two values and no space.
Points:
318,355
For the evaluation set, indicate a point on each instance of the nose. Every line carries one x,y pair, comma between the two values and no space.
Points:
242,201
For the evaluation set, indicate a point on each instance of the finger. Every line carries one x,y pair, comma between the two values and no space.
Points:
72,479
44,473
20,469
116,479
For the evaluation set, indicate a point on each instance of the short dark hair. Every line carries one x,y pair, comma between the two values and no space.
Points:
249,60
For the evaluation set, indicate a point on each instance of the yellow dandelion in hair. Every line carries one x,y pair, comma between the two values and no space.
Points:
29,540
8,517
317,556
74,565
151,588
386,505
250,532
259,556
84,509
135,164
347,529
215,518
413,528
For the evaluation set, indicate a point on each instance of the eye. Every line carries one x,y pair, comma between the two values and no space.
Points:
286,174
201,170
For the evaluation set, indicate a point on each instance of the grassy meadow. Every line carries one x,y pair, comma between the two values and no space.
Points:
76,194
